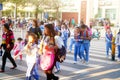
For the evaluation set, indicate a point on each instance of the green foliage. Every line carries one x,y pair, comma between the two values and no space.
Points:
40,5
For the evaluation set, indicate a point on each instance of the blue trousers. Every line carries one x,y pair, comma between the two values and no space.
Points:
34,73
65,43
85,47
119,51
57,65
108,46
77,50
72,41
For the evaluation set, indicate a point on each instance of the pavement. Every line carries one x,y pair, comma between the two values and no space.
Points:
98,68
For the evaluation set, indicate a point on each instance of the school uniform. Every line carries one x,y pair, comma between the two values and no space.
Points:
108,43
64,36
85,46
77,47
72,40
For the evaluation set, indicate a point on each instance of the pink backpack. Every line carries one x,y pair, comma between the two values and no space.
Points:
47,60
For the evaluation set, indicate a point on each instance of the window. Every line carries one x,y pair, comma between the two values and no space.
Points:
110,13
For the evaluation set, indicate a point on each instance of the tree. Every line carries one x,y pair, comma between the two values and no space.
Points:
55,5
16,4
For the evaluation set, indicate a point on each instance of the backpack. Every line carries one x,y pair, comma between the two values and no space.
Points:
61,54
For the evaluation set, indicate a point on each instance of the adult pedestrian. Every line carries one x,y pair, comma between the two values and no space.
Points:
7,45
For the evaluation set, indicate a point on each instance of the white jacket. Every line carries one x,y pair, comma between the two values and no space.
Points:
117,41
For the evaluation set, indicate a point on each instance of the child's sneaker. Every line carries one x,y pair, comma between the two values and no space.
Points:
57,71
75,62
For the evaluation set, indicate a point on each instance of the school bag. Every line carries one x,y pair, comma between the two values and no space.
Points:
61,54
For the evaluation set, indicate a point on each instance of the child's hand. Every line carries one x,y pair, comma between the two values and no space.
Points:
14,57
8,46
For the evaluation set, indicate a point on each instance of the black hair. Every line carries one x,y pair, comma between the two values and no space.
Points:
42,23
83,26
6,25
50,27
20,39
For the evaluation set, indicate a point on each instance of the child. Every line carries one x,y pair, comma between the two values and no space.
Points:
108,38
60,43
77,44
117,41
64,34
18,46
30,50
85,35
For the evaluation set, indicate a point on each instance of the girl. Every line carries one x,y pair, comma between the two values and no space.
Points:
7,44
18,46
77,44
31,51
72,41
49,43
64,34
85,36
108,38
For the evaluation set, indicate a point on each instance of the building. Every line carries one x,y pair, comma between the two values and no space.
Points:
109,9
88,9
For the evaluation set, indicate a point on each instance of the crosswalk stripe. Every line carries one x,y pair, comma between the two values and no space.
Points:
94,59
79,72
9,77
100,73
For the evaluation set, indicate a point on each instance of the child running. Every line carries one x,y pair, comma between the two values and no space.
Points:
31,51
18,46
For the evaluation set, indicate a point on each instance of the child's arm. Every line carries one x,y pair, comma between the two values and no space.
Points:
15,47
21,52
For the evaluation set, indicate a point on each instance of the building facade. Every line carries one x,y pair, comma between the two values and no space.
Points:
90,9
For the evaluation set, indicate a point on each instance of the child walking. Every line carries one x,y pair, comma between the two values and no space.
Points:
108,38
18,47
86,43
77,44
31,51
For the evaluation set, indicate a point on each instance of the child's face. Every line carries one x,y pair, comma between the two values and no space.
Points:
62,27
108,30
76,30
31,40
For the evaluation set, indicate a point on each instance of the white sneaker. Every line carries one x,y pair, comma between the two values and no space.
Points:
118,59
75,62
